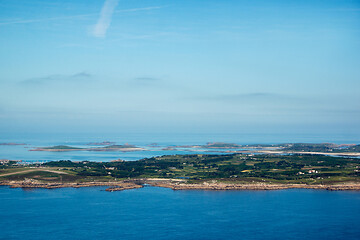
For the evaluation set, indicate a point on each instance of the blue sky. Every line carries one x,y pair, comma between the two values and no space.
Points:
183,66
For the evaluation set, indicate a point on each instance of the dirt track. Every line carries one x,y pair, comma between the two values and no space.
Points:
32,170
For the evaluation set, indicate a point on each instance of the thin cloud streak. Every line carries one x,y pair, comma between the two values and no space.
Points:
140,9
58,77
104,20
146,79
25,21
266,98
46,19
145,82
246,96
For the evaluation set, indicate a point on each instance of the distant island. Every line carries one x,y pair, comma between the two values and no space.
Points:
286,148
331,149
64,148
12,144
196,171
104,143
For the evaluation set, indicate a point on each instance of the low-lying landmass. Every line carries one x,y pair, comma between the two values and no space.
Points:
196,171
12,144
64,148
104,143
331,149
286,148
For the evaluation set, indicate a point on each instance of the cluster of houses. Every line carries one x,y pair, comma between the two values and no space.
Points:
7,161
310,172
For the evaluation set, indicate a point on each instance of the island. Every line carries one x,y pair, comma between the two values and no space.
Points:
12,144
64,148
286,148
196,171
104,143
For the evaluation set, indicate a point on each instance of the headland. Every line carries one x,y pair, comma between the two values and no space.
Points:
190,172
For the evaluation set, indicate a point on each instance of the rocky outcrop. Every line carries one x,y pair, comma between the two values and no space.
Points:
177,185
125,186
115,186
223,186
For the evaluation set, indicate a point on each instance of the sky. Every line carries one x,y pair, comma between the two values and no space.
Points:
180,66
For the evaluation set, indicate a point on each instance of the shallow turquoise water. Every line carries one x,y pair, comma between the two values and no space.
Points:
142,140
159,213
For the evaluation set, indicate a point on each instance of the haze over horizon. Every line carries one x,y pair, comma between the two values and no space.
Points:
180,66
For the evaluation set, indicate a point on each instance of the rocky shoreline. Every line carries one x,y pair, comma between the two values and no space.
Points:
259,186
176,185
113,186
123,187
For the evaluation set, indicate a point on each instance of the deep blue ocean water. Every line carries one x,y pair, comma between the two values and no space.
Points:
159,213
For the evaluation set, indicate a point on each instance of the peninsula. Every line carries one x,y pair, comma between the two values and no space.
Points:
196,171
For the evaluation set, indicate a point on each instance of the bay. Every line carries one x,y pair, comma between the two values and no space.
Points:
160,213
21,152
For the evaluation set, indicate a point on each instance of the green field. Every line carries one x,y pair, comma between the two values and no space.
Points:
309,169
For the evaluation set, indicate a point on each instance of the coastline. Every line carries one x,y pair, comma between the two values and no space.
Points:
177,185
339,154
98,149
113,186
260,186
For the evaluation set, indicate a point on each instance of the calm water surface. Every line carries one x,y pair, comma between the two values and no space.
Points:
142,140
159,213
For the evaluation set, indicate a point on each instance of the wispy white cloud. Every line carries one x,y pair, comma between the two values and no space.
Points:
146,79
104,20
24,21
255,97
146,82
80,76
140,9
36,20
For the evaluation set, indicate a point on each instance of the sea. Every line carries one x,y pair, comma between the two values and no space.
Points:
154,143
161,213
